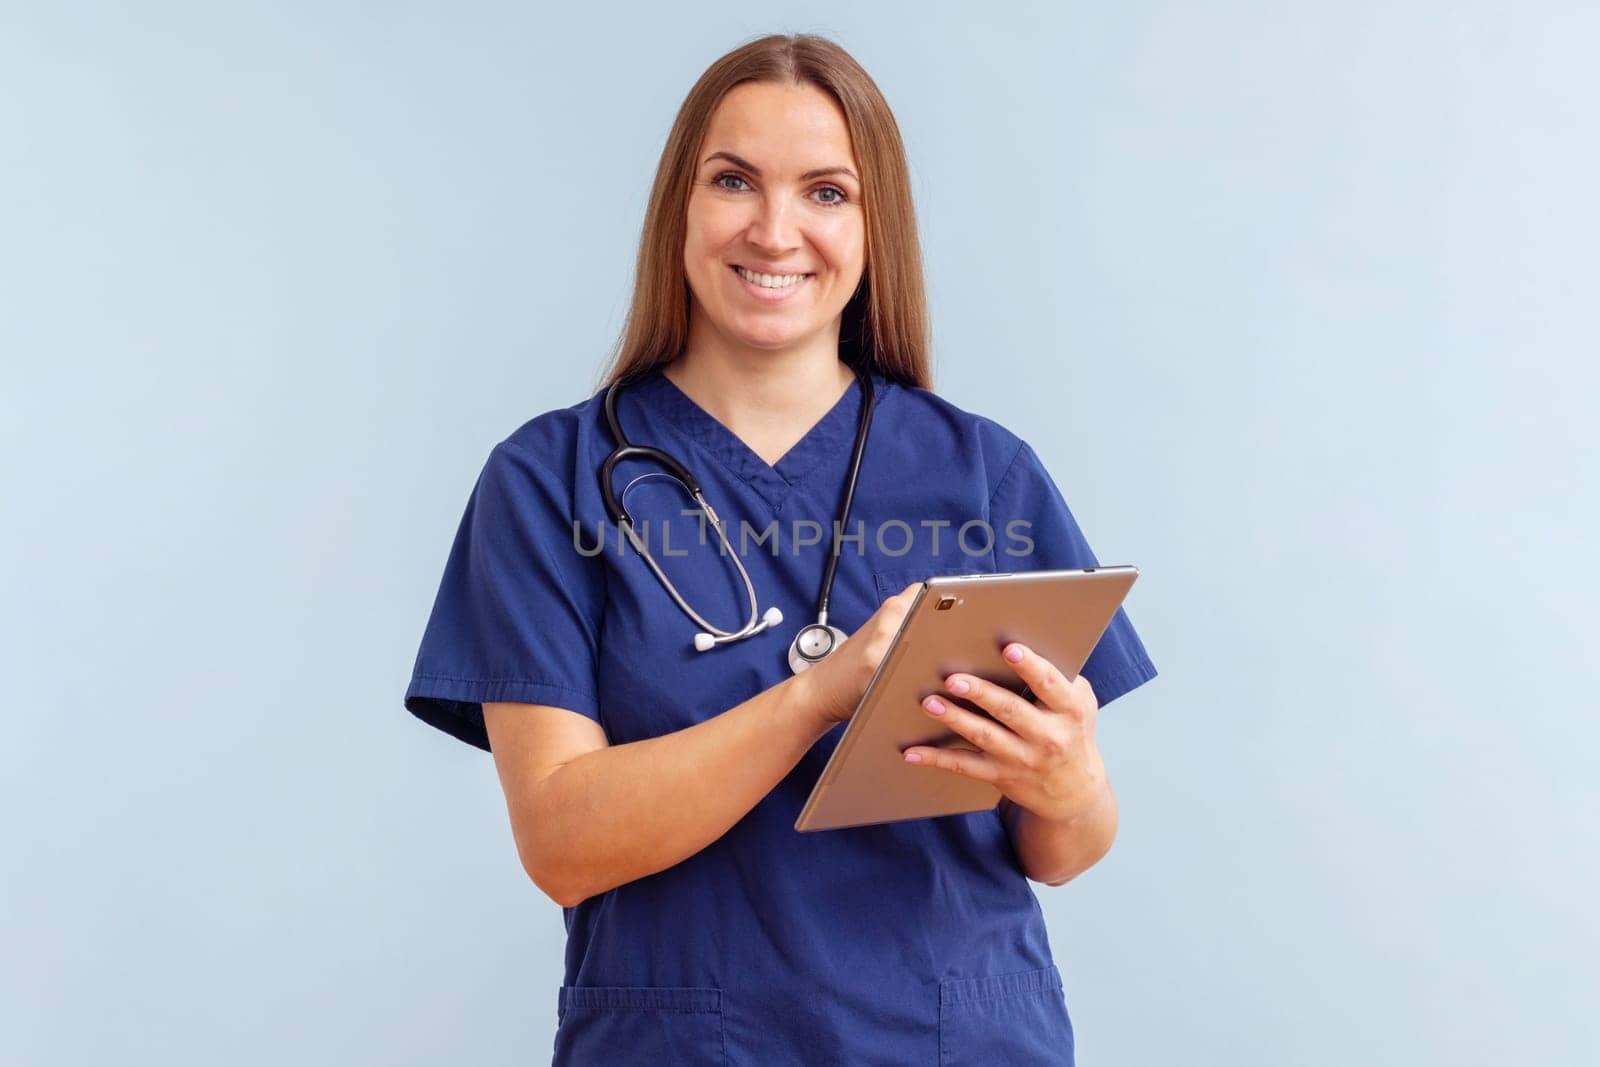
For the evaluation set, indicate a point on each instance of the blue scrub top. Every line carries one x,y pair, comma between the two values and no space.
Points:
915,942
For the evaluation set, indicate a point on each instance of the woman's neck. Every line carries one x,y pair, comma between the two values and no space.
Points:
770,405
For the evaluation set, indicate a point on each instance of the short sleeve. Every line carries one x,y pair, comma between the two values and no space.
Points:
1026,491
517,614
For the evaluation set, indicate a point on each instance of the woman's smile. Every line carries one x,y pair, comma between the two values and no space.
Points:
782,287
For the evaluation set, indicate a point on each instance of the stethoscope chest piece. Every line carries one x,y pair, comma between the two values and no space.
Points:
813,644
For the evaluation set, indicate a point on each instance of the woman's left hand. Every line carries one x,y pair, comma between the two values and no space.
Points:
1041,756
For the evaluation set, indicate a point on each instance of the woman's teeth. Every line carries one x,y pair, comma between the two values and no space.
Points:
772,281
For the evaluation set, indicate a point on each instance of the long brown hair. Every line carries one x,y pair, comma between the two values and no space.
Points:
885,324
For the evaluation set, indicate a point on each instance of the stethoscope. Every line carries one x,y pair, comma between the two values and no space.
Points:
814,641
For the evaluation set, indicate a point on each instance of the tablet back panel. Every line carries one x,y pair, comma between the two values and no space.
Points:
956,623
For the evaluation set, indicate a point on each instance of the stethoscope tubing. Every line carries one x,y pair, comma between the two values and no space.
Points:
800,654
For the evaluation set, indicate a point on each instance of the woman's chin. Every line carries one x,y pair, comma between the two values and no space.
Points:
772,340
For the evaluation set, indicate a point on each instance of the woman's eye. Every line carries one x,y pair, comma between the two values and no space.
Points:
838,199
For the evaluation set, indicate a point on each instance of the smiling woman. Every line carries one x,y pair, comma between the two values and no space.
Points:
776,237
775,357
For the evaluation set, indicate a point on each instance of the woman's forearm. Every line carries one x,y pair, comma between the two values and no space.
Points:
622,812
1057,852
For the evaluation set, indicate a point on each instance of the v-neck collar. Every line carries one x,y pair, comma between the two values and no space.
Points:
830,437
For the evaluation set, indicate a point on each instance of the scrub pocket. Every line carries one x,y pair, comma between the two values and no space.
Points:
888,583
1005,1020
639,1024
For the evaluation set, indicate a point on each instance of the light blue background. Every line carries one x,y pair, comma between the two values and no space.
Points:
1296,303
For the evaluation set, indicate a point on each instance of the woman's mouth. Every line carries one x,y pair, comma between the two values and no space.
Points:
770,288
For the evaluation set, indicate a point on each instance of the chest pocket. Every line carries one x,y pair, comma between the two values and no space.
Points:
888,583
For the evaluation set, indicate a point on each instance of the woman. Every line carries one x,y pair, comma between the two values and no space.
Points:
653,786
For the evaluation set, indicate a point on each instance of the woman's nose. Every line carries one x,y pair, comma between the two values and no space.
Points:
774,227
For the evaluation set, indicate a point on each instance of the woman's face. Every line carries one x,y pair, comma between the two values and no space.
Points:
776,190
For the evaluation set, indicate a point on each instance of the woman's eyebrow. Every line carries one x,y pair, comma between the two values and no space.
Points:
821,172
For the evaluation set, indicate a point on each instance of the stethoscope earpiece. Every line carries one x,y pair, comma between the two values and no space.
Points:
815,641
704,642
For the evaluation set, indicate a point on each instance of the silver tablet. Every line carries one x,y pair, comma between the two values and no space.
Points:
955,623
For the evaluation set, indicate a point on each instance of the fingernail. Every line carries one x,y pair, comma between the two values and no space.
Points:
913,757
1014,653
933,705
957,686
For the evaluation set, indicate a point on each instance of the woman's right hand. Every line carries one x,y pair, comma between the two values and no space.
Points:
834,686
